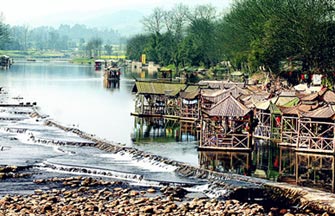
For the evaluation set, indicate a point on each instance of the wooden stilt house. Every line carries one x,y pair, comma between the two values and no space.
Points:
225,125
317,127
315,170
157,99
226,161
270,116
290,123
316,130
190,103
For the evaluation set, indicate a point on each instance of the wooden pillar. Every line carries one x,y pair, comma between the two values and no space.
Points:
251,129
333,174
298,130
296,168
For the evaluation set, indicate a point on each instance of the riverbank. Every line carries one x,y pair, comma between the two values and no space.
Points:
220,186
304,199
89,196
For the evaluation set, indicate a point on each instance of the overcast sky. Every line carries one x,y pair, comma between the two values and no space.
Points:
54,12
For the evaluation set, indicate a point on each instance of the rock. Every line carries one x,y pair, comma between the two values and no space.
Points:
151,190
38,191
133,193
147,209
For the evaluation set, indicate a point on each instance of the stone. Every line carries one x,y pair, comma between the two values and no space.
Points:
151,190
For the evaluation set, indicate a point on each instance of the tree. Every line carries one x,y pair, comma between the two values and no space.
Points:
4,33
93,47
136,46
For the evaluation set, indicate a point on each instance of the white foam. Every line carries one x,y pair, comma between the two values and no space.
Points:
144,163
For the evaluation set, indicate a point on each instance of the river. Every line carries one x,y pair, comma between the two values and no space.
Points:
74,95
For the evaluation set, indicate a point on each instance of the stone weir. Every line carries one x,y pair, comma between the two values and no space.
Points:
301,197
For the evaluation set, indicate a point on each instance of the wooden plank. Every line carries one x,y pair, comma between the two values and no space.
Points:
207,148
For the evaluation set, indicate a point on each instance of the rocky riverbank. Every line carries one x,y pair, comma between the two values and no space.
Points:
88,196
289,195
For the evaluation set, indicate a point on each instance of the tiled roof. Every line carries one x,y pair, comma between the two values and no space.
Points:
297,110
329,97
220,84
159,88
190,92
228,107
322,112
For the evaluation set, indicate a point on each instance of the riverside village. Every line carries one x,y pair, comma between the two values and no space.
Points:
214,109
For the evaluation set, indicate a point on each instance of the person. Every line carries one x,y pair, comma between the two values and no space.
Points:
278,120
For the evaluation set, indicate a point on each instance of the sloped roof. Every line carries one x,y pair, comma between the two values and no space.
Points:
158,88
274,109
322,112
228,107
284,100
288,94
292,102
315,95
190,92
329,97
236,91
264,105
212,92
297,110
220,84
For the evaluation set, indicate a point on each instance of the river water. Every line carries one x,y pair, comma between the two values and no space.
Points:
74,95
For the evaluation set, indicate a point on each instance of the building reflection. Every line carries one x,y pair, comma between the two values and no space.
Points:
281,164
160,129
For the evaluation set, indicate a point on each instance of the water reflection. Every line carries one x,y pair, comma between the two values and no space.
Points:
281,164
163,130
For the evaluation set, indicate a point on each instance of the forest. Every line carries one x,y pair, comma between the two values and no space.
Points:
252,34
83,40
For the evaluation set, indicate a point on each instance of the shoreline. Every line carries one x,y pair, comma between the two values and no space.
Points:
302,197
235,186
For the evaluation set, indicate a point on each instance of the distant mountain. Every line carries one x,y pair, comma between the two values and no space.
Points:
126,22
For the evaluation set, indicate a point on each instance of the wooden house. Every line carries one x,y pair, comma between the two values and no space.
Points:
269,116
226,125
290,123
157,99
5,62
269,119
316,130
190,103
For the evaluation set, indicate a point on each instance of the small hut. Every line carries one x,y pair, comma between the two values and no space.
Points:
270,116
112,77
190,103
269,120
5,62
155,99
226,126
316,130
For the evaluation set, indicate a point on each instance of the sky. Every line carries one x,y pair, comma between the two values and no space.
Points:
55,12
